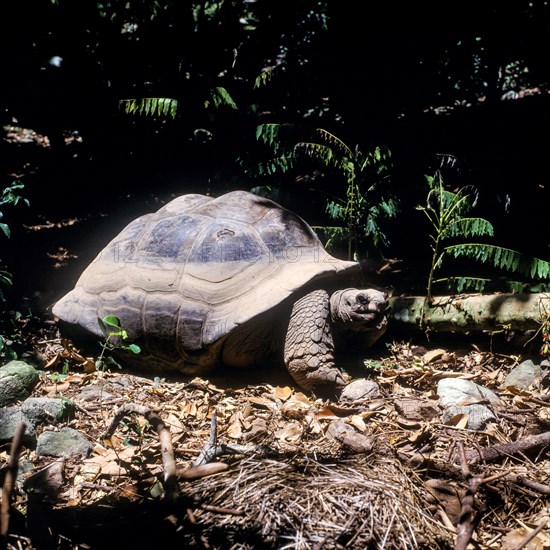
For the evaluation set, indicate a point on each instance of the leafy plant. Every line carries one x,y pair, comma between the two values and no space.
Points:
365,198
448,212
114,336
163,107
9,196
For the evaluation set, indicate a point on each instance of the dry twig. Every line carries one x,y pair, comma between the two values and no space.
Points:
9,483
502,450
167,452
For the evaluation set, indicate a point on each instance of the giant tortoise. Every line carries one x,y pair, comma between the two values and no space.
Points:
229,280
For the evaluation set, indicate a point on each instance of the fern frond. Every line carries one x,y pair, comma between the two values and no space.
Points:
219,97
263,78
316,151
331,139
501,258
272,134
150,106
461,284
281,164
335,210
468,227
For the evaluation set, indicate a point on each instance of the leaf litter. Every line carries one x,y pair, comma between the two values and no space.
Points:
289,470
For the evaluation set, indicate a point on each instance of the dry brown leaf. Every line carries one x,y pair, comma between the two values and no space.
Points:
176,425
357,421
235,428
432,355
292,432
458,420
514,538
189,408
262,403
55,389
295,407
113,468
408,424
312,423
282,393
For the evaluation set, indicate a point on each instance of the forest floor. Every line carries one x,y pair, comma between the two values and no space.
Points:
288,470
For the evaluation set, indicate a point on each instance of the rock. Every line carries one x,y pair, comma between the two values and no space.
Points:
360,389
463,397
478,415
524,375
47,481
42,410
17,380
34,411
95,393
415,409
65,442
349,437
10,418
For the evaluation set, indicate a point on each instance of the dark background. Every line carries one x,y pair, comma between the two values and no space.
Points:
470,82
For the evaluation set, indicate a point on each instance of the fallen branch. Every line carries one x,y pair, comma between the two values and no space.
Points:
167,452
503,450
469,517
9,483
468,312
213,449
529,484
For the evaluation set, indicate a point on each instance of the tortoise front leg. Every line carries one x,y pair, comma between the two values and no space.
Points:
309,345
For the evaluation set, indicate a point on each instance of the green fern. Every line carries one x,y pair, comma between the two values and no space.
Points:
363,201
163,107
468,227
446,211
220,97
501,258
150,106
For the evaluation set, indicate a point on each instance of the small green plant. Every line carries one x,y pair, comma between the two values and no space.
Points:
10,197
448,212
364,198
113,339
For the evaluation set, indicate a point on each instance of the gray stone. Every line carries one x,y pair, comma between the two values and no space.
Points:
95,393
10,418
524,375
47,481
34,412
17,380
42,410
478,415
454,391
65,442
360,389
463,397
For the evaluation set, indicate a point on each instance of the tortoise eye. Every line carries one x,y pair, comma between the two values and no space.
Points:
362,299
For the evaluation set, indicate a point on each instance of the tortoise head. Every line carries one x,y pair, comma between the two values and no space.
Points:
359,310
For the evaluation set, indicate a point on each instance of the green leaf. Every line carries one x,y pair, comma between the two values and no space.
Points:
4,227
150,106
112,321
134,348
219,97
501,258
468,227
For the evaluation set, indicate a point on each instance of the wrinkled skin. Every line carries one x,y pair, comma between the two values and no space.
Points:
317,319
